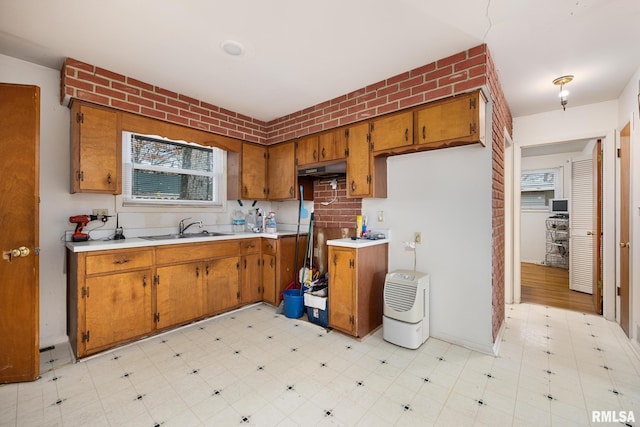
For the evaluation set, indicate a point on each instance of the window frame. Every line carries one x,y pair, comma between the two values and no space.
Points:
556,188
218,174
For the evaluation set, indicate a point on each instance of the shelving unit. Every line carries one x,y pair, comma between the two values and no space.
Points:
557,247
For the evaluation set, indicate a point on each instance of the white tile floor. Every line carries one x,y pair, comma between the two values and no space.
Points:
253,367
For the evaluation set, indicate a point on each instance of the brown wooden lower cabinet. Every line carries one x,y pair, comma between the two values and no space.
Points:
356,282
120,295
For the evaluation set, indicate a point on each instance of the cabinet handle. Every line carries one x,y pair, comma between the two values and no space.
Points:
206,269
335,259
353,186
121,261
245,263
109,178
246,190
323,153
315,154
291,191
197,271
424,132
406,134
144,281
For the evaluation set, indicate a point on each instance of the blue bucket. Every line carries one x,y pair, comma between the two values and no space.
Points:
293,303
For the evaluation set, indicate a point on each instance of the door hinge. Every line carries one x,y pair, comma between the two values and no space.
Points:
346,133
85,292
156,317
238,295
369,137
599,284
618,152
371,146
86,336
351,320
80,117
346,152
371,126
368,179
295,144
472,128
472,103
156,279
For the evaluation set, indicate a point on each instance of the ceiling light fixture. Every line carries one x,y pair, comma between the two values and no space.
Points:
232,47
564,94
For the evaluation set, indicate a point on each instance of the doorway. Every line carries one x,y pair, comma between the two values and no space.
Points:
549,267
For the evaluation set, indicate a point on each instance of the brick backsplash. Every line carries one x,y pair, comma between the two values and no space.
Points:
340,213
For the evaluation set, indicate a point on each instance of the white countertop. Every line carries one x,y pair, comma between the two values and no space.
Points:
137,242
358,243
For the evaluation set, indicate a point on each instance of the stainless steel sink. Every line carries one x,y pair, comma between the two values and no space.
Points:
185,235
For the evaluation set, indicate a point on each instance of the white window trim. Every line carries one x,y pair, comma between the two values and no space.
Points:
123,204
557,186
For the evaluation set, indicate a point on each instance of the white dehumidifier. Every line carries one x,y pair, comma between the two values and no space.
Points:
406,308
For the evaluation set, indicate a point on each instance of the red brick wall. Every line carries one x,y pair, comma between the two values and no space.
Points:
94,84
501,120
446,77
339,214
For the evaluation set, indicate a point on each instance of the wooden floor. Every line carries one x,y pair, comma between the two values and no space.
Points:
550,286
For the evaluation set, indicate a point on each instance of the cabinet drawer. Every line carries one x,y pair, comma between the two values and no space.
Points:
250,246
193,252
269,246
110,261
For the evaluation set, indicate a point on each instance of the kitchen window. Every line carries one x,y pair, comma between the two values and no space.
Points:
539,186
160,171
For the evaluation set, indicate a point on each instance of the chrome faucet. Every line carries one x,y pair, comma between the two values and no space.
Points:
182,228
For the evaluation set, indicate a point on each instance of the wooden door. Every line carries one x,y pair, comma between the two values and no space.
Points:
359,162
597,227
282,172
307,151
581,241
97,150
333,145
222,284
342,288
251,290
117,308
625,185
392,132
254,172
19,198
269,279
179,294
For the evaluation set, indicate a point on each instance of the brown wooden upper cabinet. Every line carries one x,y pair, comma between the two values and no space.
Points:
392,131
333,145
366,174
253,185
96,153
450,122
282,172
307,151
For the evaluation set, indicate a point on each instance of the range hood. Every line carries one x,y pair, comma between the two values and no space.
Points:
324,171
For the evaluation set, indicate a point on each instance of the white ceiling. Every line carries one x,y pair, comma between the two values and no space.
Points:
300,53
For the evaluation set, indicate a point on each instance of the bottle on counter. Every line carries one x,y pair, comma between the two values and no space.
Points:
271,226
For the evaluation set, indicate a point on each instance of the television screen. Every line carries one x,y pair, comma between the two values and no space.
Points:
559,205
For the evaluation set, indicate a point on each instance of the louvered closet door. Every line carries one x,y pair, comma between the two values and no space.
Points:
581,241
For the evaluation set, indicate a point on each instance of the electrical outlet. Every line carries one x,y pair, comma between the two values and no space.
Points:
417,237
103,212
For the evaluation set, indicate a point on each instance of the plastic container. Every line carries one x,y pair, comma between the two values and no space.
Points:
293,303
271,226
318,316
238,221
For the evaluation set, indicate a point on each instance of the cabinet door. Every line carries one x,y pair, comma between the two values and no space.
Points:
359,162
342,288
117,308
307,151
96,150
251,290
392,132
269,279
254,172
222,284
282,172
444,123
333,145
179,294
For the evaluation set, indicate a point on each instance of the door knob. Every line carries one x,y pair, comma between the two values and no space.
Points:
24,251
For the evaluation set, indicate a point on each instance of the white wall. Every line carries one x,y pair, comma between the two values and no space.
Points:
532,223
446,195
628,113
